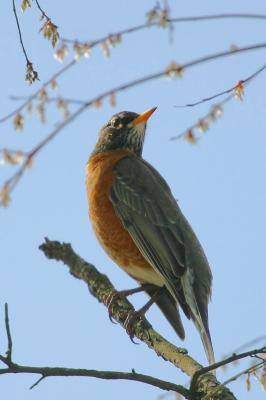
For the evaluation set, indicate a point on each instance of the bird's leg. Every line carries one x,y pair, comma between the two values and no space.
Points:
134,315
110,298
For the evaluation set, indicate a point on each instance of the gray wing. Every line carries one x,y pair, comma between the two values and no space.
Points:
147,209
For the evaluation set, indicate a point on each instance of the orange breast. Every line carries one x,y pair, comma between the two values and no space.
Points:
112,235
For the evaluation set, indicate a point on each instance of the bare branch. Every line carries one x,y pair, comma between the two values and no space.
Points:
31,74
206,99
51,99
37,382
46,372
9,337
101,40
35,94
248,344
11,183
100,287
243,81
60,371
19,32
42,11
226,361
244,372
178,20
216,110
212,115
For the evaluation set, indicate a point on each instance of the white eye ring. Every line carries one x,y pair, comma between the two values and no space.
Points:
116,123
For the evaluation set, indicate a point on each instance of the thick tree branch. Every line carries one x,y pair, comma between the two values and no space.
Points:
100,287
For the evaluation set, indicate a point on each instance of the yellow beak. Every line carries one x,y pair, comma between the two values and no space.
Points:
143,117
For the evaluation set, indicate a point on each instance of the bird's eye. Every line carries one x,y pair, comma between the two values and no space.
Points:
116,123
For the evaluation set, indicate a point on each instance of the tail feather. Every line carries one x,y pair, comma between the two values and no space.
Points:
169,308
205,338
199,315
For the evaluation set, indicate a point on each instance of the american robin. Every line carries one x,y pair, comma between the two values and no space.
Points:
141,227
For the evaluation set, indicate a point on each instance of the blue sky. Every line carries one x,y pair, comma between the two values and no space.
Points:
219,183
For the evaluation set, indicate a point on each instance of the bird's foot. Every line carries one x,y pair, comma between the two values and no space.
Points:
134,316
109,300
121,294
130,321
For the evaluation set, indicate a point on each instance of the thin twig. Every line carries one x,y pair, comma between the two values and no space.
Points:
51,99
20,35
136,28
196,18
226,361
35,94
217,106
222,54
217,16
244,372
195,125
41,10
206,99
37,382
8,334
248,344
14,179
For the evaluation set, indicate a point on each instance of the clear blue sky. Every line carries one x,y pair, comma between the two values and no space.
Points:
220,185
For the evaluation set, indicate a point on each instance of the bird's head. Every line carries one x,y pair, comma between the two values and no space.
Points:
125,130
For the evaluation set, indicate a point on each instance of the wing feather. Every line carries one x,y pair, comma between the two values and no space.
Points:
146,207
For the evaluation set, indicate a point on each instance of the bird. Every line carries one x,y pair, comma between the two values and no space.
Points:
141,227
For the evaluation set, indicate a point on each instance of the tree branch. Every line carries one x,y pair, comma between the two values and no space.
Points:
8,334
100,287
31,74
244,372
42,11
247,344
20,35
216,110
226,361
10,184
174,20
45,372
60,72
96,42
227,91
